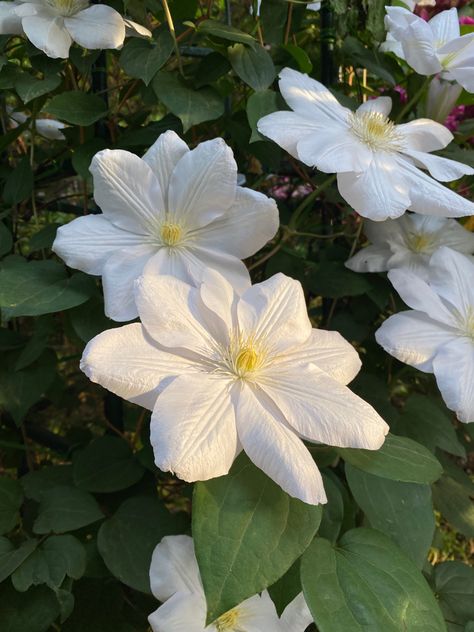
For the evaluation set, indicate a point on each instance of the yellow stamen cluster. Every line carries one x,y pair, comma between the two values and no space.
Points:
171,234
246,360
227,621
68,7
420,242
375,130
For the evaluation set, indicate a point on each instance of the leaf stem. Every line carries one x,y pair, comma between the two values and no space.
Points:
414,100
169,19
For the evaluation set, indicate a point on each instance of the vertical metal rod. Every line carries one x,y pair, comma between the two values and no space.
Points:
328,39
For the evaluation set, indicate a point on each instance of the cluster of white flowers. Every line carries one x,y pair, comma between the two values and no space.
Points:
176,582
53,25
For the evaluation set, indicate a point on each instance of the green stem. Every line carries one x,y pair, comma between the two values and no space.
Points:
414,100
308,200
169,19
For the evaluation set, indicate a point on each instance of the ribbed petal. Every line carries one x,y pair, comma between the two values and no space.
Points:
97,27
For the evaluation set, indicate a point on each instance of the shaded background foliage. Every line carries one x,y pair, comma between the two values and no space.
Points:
81,504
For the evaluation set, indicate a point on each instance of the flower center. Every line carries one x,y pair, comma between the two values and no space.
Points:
246,360
67,7
466,323
420,242
375,130
171,234
227,621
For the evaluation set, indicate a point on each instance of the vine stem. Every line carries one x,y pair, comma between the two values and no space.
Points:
288,22
414,100
169,19
307,201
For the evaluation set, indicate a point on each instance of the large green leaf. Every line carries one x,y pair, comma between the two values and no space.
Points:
454,586
247,533
367,584
39,481
191,106
56,557
11,497
453,498
19,183
259,105
29,88
225,31
40,287
142,58
33,611
64,509
399,459
126,541
106,465
78,108
253,65
6,240
11,558
404,511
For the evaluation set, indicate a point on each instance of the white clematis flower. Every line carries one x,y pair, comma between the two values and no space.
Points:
176,582
377,162
48,128
174,211
223,372
435,46
53,25
312,6
437,334
441,99
409,242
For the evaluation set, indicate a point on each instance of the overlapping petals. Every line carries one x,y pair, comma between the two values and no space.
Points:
378,163
172,212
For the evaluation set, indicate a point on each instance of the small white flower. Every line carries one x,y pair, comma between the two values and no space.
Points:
48,128
312,6
377,162
174,211
435,46
409,242
176,582
52,25
441,99
437,334
223,372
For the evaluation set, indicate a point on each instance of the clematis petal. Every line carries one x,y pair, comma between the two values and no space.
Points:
127,191
458,59
220,297
244,228
425,135
382,105
296,617
132,29
48,34
311,99
119,273
203,184
87,242
287,129
440,168
382,232
193,430
321,409
379,192
51,129
329,351
331,152
174,568
451,276
184,612
370,259
445,25
454,235
174,315
276,449
231,268
96,27
163,156
258,613
429,196
454,370
275,311
419,295
128,363
414,338
10,22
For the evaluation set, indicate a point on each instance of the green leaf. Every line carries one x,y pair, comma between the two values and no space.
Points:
286,588
247,533
11,558
106,465
33,611
366,58
260,104
57,557
83,154
454,587
44,238
225,31
367,584
19,183
253,65
425,422
142,59
36,344
126,541
399,459
64,509
78,108
333,511
191,106
403,511
89,320
40,287
29,88
300,56
334,280
11,498
6,240
39,481
453,499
